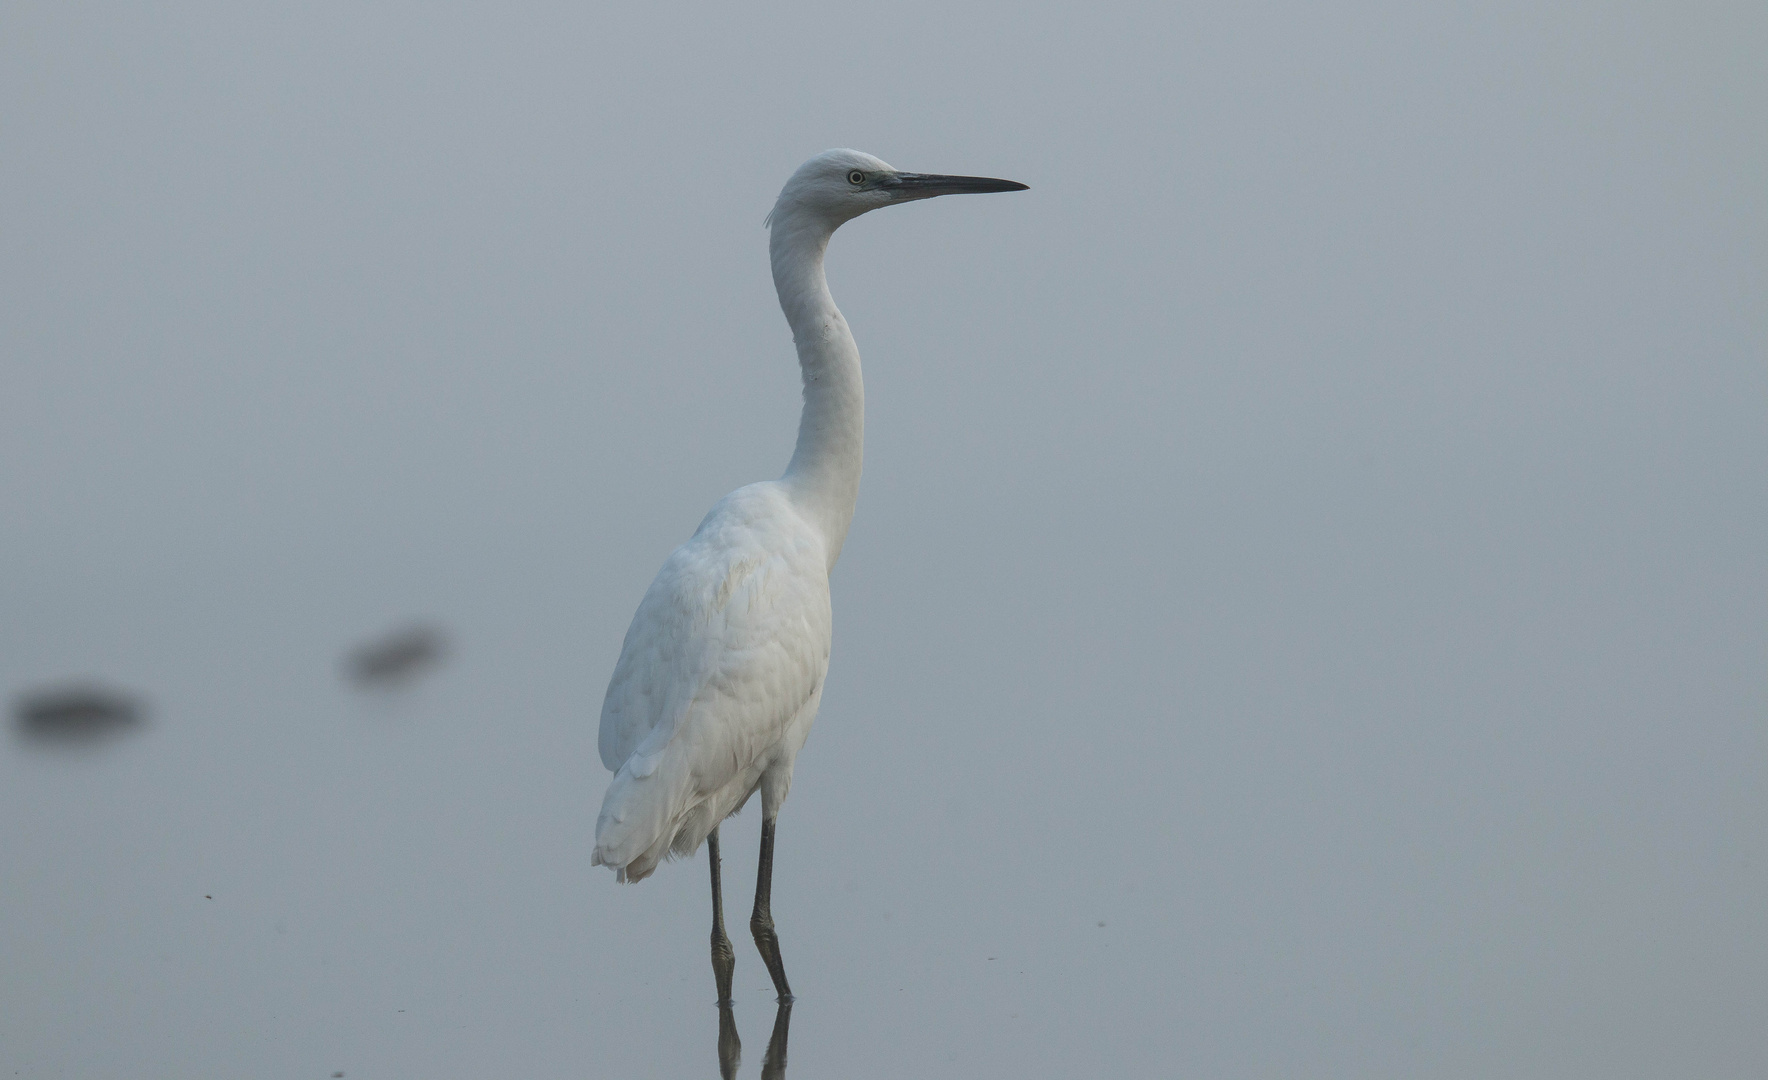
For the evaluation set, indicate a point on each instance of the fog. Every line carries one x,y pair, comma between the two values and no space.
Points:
1306,615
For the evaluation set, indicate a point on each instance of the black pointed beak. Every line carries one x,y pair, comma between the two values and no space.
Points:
908,185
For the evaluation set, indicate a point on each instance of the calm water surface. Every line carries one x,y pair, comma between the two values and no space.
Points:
1305,615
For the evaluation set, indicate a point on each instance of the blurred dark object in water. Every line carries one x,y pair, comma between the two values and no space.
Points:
76,713
397,658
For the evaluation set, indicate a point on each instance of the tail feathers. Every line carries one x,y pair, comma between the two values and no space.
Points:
641,814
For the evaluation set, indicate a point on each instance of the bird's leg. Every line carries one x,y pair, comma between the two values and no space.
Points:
773,1065
724,958
761,922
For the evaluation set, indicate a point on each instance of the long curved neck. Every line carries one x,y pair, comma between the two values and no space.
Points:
823,477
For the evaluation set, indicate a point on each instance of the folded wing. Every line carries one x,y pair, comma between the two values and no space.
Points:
729,644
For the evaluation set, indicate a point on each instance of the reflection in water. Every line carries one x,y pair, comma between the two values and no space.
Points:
773,1066
730,1048
76,714
398,657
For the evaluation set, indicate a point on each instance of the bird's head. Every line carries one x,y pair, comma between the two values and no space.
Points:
837,186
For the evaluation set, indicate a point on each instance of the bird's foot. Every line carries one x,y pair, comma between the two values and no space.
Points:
768,942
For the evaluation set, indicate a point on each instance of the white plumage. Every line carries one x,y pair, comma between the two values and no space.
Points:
718,681
722,669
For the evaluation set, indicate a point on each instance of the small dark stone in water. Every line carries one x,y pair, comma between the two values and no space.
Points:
77,712
397,657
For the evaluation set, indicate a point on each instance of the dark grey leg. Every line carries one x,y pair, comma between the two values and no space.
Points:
761,923
724,958
773,1066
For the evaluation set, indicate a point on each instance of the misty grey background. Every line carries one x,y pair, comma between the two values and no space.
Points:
1306,614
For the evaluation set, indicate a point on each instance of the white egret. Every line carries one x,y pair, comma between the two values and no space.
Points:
722,669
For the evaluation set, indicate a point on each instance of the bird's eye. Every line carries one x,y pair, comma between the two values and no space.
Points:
856,177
